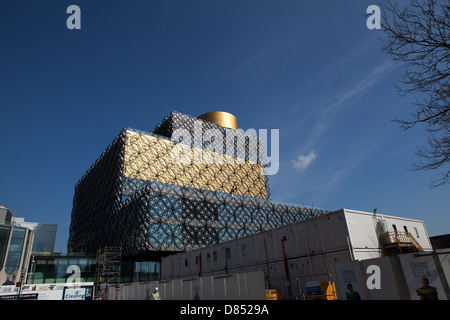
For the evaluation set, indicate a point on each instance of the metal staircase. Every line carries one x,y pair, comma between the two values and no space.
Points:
395,242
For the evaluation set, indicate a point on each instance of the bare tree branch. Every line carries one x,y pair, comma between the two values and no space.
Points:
419,36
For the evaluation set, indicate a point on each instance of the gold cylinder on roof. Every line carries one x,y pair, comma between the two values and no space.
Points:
221,118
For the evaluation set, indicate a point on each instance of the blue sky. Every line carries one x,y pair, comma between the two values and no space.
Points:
311,69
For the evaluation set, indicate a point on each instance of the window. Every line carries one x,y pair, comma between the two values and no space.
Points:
406,229
208,257
40,247
228,250
244,250
417,232
395,227
15,250
186,262
4,237
215,255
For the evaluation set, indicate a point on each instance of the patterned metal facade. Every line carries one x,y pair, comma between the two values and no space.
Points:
139,197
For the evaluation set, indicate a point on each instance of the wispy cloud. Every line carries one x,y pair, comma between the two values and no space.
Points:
325,109
329,108
273,48
340,171
304,161
320,121
328,115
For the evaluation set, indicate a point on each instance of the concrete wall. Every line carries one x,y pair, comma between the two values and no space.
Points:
392,284
444,262
247,286
399,276
5,214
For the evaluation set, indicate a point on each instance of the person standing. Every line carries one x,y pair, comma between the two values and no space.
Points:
155,294
351,294
426,292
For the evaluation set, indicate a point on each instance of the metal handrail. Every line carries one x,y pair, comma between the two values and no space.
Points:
399,237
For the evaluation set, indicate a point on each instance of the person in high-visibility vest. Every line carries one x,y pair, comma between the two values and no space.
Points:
155,295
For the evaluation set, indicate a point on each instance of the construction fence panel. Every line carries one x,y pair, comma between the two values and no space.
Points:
244,286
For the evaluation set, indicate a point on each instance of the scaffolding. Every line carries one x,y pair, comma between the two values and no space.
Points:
108,270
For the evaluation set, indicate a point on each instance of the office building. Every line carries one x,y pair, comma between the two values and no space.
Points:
44,234
157,193
15,249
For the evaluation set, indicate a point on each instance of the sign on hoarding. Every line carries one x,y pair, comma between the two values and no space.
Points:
26,296
313,288
55,291
74,294
417,268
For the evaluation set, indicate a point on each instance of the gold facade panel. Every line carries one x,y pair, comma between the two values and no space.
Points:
150,158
